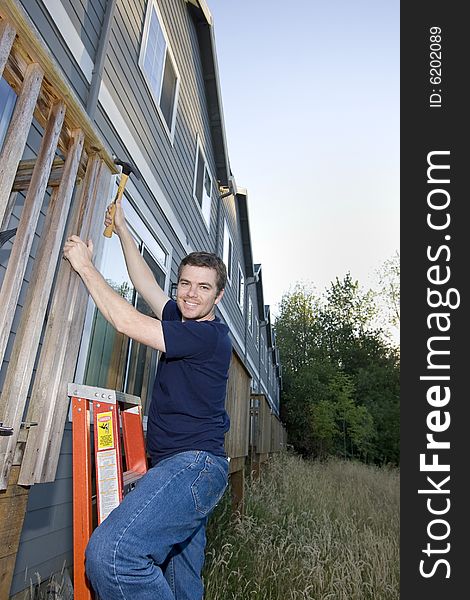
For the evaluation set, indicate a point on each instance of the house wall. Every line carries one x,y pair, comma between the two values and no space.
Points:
47,537
49,31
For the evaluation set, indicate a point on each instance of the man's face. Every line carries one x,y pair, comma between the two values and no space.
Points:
196,294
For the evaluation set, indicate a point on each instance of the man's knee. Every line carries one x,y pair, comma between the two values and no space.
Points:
98,555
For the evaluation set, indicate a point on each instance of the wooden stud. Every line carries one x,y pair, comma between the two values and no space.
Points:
57,361
25,173
17,134
18,378
92,228
238,408
18,260
237,485
7,35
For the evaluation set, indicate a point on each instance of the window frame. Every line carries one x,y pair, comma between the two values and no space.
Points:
228,265
205,211
250,315
155,243
169,129
240,288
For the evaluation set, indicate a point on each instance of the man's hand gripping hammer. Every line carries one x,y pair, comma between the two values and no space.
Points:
127,169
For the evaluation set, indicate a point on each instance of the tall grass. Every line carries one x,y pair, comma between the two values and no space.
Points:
311,530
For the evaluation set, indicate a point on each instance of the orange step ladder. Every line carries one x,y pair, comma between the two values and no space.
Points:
111,411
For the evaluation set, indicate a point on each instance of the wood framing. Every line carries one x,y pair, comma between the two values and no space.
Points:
62,339
15,140
262,425
7,35
11,286
238,408
15,390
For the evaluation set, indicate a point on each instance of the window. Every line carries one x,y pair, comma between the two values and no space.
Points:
257,333
263,350
202,189
228,252
7,104
250,315
241,288
159,67
110,359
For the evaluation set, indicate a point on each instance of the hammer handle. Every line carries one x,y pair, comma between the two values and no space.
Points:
108,232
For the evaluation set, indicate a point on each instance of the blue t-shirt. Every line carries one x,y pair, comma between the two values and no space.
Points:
187,411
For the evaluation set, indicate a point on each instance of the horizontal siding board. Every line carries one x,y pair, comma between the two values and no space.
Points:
53,38
107,131
40,522
50,494
177,161
58,543
46,539
87,19
42,571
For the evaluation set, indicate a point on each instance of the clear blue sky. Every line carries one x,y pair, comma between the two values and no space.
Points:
310,93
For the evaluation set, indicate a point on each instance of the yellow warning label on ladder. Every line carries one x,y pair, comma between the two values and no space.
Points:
105,431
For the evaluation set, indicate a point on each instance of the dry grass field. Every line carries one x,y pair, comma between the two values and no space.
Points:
311,531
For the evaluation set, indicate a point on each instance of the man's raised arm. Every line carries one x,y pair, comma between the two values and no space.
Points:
141,276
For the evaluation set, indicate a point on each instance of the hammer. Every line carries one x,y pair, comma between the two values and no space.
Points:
127,169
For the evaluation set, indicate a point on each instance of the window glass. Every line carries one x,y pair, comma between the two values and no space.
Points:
114,361
159,68
250,315
7,104
203,186
108,348
228,250
167,98
142,359
241,288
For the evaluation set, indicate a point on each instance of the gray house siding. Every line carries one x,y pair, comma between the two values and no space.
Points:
87,18
47,537
229,214
54,40
172,164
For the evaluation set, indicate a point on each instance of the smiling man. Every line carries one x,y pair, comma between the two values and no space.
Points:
152,545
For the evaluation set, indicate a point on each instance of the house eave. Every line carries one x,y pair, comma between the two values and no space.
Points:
205,31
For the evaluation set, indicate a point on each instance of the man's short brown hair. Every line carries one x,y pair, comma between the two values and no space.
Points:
210,260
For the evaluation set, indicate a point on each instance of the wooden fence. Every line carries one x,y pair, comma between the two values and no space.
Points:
268,434
237,439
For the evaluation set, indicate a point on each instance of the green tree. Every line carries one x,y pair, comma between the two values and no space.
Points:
324,426
341,377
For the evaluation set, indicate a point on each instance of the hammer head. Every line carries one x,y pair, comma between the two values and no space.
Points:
127,168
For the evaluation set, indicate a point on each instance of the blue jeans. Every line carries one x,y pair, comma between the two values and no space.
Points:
151,547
